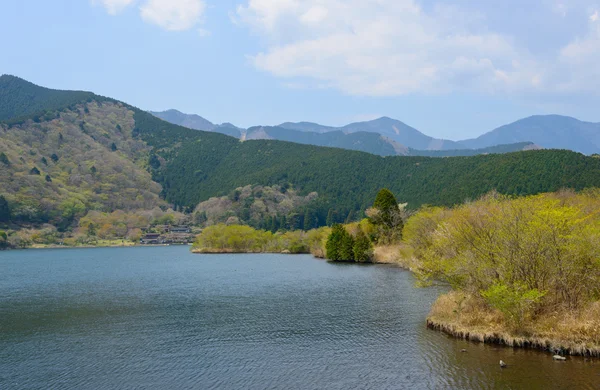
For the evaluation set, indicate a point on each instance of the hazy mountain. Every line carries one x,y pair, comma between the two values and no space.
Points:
191,121
196,122
363,141
373,143
391,128
307,126
548,131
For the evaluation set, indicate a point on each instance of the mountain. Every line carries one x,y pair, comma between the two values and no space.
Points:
192,121
390,128
370,142
65,154
363,141
402,133
548,131
196,122
307,126
318,135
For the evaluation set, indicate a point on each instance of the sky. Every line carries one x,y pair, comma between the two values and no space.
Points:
453,69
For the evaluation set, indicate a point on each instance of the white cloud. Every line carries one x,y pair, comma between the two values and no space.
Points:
395,47
113,7
171,15
381,47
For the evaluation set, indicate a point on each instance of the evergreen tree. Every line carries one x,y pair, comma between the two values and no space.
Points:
387,205
362,248
48,179
4,159
44,161
154,162
54,157
3,240
330,218
34,171
113,147
347,247
4,210
350,217
339,244
334,242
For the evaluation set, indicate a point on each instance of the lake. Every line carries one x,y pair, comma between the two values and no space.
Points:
161,317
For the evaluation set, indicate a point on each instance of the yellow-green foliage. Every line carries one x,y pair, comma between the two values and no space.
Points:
78,169
244,239
543,251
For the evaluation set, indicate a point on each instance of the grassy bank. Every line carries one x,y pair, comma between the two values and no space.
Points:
523,272
567,332
244,239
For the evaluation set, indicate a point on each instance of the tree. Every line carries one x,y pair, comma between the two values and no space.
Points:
330,218
340,244
54,158
34,171
386,203
4,210
4,159
387,216
48,179
350,217
3,240
362,248
154,162
44,161
113,147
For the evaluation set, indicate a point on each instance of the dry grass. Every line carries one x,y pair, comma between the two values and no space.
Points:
400,255
467,317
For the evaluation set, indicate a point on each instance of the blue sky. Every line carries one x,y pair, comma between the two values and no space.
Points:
452,69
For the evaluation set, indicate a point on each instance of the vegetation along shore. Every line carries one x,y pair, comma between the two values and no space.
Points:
522,271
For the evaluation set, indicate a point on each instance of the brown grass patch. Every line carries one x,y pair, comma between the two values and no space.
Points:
466,317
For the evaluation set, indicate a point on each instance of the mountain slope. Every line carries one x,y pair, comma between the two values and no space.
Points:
20,98
362,141
548,131
192,166
197,122
390,128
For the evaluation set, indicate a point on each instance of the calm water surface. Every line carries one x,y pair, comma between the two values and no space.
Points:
160,318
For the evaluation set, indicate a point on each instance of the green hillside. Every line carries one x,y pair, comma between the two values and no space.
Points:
128,147
22,99
347,180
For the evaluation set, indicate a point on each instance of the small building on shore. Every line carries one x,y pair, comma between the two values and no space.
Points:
151,239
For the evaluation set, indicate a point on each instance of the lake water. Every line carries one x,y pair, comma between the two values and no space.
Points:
161,318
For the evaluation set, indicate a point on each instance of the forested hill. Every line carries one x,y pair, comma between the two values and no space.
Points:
21,99
192,166
348,180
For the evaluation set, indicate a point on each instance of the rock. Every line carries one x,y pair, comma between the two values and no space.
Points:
502,364
285,252
558,357
463,350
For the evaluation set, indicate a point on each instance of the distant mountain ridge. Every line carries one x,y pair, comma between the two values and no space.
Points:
539,131
196,122
548,131
371,140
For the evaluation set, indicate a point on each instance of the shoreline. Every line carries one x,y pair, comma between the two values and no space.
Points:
490,337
